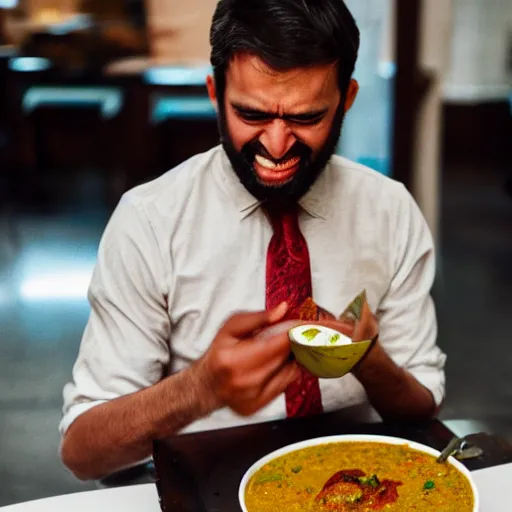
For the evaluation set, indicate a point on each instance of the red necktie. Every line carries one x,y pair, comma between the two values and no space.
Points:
289,279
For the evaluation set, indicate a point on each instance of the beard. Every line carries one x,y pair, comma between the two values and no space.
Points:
309,170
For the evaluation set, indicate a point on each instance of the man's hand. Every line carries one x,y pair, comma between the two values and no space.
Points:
246,367
248,363
392,390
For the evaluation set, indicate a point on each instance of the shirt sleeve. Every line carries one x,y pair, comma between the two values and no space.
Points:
125,345
407,316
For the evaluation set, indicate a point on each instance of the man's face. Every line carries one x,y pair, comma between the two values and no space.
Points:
279,129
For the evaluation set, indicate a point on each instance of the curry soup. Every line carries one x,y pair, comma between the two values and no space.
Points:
358,477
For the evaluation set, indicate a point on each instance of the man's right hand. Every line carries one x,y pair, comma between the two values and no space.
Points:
248,363
246,367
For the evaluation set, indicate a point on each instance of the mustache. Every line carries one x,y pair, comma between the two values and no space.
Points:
255,147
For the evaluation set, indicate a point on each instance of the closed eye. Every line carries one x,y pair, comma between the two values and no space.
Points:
258,116
306,119
253,115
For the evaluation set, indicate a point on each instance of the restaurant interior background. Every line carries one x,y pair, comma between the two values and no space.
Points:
97,96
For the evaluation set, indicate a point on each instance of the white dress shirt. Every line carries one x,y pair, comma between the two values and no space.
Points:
185,251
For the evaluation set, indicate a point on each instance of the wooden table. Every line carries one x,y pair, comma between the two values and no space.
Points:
202,472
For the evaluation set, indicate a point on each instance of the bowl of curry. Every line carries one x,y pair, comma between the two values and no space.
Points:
357,473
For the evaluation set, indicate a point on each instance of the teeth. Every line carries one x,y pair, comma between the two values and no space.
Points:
265,162
268,164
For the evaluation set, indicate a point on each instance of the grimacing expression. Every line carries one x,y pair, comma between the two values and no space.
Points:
279,129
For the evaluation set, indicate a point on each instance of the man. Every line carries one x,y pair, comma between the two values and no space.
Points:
256,225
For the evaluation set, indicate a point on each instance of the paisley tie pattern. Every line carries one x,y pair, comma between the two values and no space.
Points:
289,279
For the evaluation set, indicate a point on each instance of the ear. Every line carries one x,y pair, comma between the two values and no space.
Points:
212,91
353,89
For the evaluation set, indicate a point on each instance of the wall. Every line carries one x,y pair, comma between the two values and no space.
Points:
435,37
478,89
367,129
434,59
50,10
179,30
480,51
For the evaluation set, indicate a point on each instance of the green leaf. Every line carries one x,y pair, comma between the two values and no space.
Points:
311,334
429,485
263,479
372,481
334,338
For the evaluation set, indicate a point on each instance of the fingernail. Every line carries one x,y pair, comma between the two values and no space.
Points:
278,311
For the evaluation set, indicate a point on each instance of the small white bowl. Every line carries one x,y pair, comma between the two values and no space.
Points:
350,439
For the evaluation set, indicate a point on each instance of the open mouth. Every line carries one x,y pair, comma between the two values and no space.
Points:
277,174
271,166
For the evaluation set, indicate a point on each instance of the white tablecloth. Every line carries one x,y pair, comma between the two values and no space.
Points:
139,498
493,485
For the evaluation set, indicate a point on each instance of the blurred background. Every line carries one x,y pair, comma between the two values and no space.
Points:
97,96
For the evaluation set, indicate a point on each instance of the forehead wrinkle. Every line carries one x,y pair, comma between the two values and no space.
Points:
259,96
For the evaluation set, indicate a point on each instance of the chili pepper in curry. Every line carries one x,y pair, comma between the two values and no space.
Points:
352,490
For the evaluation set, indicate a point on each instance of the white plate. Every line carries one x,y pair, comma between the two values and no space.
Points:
349,439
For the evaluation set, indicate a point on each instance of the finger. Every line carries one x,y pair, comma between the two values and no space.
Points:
251,354
242,325
323,314
277,329
278,384
368,327
271,390
260,375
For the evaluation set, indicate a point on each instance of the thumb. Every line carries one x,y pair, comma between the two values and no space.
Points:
277,329
367,327
243,325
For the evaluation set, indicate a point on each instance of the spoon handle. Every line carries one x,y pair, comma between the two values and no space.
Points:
451,449
460,448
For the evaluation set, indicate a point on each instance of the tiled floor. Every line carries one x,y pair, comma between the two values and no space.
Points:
38,343
40,335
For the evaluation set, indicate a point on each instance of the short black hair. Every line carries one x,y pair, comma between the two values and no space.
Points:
285,34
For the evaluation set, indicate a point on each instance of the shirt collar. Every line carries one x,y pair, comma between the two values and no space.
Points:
244,201
316,202
320,196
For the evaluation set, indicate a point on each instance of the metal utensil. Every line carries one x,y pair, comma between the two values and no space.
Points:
461,449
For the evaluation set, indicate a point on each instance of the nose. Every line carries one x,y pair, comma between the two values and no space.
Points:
277,138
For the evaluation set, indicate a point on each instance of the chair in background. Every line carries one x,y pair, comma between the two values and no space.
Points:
182,118
58,125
